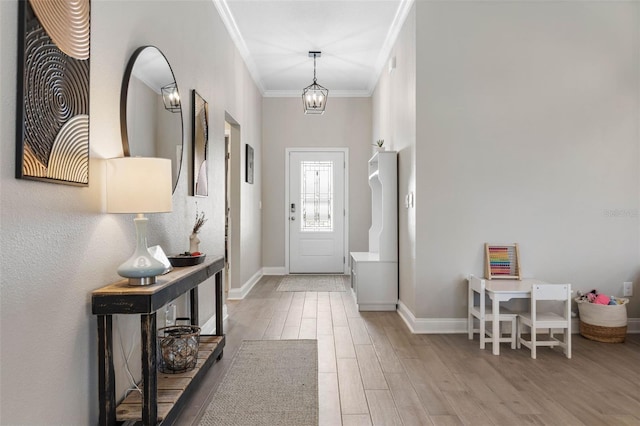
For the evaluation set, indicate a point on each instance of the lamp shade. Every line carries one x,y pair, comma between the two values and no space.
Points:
139,185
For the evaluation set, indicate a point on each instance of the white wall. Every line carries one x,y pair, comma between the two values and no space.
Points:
58,244
394,112
527,132
250,214
142,116
345,123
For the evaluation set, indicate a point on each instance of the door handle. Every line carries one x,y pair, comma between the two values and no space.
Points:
292,218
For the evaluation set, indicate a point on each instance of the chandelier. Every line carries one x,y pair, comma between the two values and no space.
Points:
171,97
314,96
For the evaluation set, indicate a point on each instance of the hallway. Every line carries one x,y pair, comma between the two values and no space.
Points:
372,370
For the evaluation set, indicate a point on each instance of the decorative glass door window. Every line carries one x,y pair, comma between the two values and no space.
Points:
317,196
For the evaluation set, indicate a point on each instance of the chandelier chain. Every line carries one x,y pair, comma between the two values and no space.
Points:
314,67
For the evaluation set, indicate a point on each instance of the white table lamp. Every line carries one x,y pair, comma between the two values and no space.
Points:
139,185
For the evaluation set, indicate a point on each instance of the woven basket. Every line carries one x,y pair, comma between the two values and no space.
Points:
603,334
603,323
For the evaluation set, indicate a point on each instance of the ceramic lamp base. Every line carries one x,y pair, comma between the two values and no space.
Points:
141,268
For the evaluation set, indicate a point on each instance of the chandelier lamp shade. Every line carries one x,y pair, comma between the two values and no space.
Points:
314,96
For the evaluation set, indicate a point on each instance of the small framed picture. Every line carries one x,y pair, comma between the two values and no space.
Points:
249,164
200,145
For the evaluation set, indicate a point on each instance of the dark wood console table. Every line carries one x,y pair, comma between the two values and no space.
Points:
162,394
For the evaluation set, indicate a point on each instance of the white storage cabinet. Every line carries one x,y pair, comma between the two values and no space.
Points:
374,274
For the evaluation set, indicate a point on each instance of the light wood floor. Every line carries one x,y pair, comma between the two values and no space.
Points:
373,371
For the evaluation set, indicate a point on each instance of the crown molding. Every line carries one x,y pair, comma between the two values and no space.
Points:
229,22
332,93
389,42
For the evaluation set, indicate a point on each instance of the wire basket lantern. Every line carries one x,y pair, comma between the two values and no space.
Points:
178,348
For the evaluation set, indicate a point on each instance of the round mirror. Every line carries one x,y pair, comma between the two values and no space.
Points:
151,109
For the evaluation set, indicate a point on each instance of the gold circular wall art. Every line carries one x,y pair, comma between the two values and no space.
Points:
67,23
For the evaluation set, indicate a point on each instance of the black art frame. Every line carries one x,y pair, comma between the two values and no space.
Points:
199,145
249,164
52,117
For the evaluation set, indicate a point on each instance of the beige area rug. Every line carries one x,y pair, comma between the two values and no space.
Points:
312,283
269,382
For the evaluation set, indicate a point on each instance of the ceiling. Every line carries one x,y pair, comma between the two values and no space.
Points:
275,37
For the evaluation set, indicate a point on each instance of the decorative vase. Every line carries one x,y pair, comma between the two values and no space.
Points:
380,148
194,243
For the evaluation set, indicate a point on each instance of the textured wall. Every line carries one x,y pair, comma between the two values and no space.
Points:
58,244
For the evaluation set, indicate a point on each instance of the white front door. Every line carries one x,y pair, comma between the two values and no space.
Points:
316,211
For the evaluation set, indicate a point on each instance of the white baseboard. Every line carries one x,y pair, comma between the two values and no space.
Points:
274,270
459,325
209,327
240,293
431,325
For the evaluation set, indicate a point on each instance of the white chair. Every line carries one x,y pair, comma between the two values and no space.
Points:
484,314
536,319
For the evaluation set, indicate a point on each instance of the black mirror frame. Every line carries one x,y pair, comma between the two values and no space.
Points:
124,92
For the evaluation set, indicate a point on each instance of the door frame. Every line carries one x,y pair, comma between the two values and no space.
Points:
345,152
233,192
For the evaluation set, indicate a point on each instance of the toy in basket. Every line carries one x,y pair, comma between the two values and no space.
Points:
178,347
603,322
